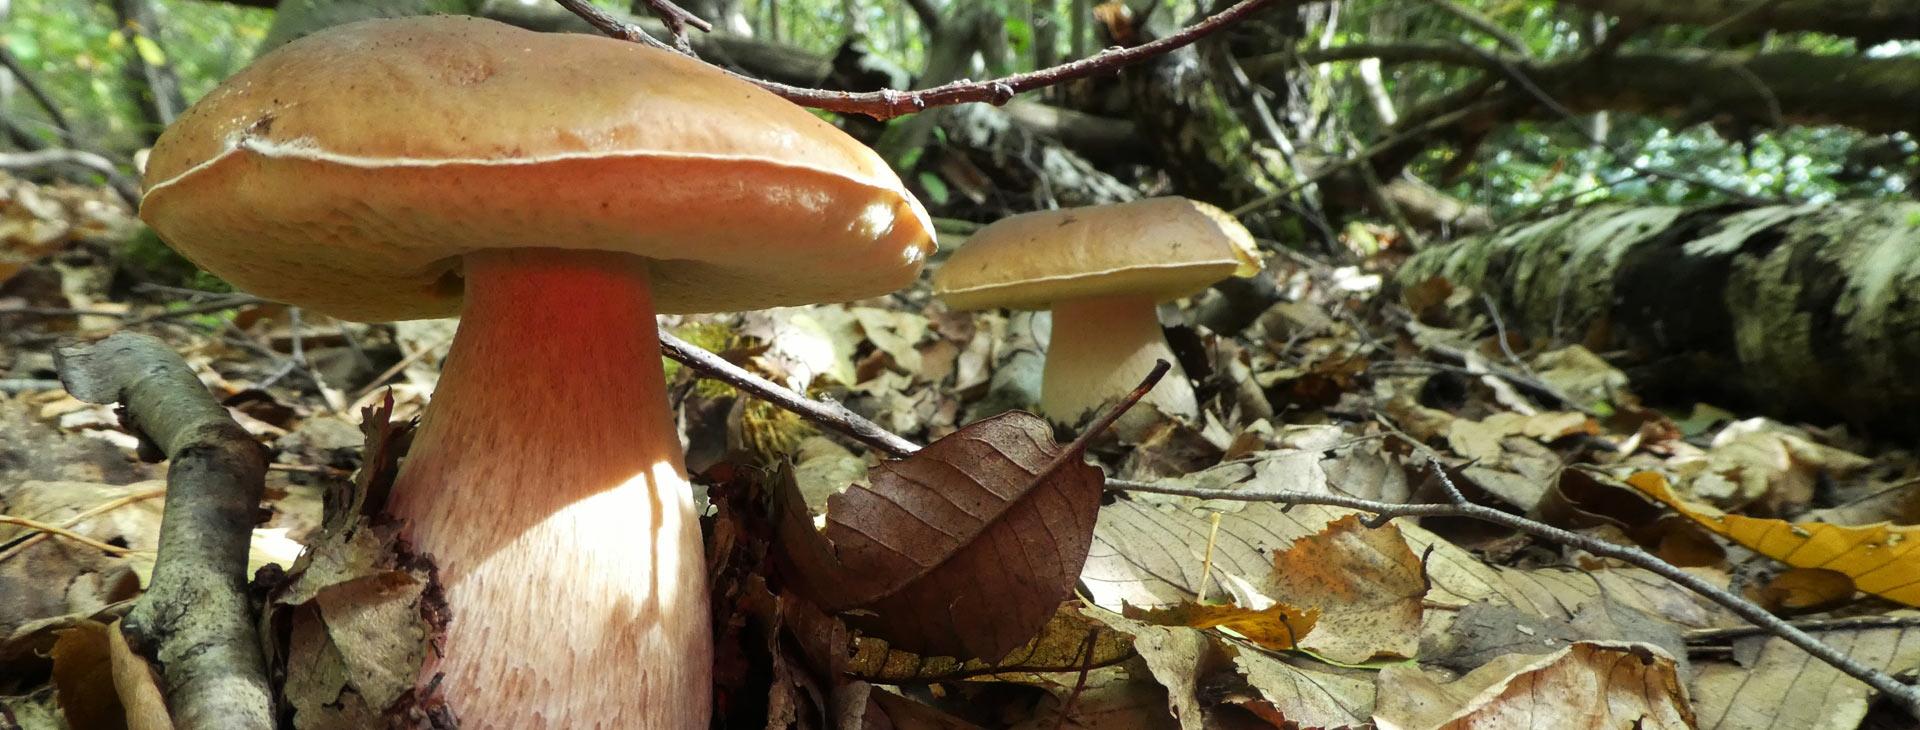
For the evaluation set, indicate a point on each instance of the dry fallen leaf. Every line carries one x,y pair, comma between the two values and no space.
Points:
1070,642
1290,693
83,675
1586,685
1278,627
964,549
1878,557
1777,686
1178,657
1366,584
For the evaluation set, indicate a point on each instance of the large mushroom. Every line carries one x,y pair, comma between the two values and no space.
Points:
556,191
1102,270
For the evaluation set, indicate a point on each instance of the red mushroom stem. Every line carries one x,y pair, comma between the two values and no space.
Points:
547,483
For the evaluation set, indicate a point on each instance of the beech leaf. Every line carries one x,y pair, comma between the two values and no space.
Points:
963,549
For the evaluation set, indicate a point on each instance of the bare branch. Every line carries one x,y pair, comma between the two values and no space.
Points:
831,415
1482,23
195,618
890,103
123,186
39,95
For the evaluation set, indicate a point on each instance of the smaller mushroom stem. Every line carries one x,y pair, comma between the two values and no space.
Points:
1100,349
546,482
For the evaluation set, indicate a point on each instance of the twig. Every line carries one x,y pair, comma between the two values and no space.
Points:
379,380
128,319
1905,694
611,25
45,529
1529,385
1856,623
195,617
677,19
1484,24
889,103
871,433
91,512
123,186
27,385
831,415
39,94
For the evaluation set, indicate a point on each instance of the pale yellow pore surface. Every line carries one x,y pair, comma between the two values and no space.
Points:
546,483
348,171
1164,248
1101,348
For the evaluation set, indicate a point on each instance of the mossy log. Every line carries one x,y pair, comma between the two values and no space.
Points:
1806,311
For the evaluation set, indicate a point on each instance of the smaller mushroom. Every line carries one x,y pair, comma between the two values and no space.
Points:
1102,270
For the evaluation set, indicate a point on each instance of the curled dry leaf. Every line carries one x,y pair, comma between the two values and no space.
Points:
1586,685
1880,558
352,623
964,549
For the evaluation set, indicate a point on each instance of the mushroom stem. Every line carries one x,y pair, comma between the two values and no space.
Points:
546,482
1100,349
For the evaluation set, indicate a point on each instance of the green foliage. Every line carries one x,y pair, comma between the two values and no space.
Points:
146,258
76,50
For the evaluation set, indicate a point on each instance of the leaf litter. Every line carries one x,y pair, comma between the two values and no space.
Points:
971,603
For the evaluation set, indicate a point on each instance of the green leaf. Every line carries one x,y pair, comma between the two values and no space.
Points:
935,187
149,51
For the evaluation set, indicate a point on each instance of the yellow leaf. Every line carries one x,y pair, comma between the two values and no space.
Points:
1878,557
1278,627
149,51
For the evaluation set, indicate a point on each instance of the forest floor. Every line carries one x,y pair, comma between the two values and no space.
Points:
1244,607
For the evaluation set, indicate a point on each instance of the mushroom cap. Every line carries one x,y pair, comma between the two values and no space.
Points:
348,171
1166,248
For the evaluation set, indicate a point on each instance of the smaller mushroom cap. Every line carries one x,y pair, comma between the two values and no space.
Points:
1163,247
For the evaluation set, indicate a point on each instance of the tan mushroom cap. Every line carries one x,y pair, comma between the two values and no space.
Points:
349,170
1166,248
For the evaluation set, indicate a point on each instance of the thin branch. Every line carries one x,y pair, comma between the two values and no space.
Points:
612,26
124,186
831,415
1901,692
871,433
95,511
39,95
27,385
890,103
195,617
43,529
675,17
1855,623
1484,24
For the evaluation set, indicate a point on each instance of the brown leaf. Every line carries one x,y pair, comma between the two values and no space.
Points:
83,675
1784,687
1588,684
963,549
1804,590
138,685
1278,627
1070,642
1366,584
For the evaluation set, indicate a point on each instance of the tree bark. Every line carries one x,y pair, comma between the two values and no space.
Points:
157,88
1871,21
1736,92
1804,311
